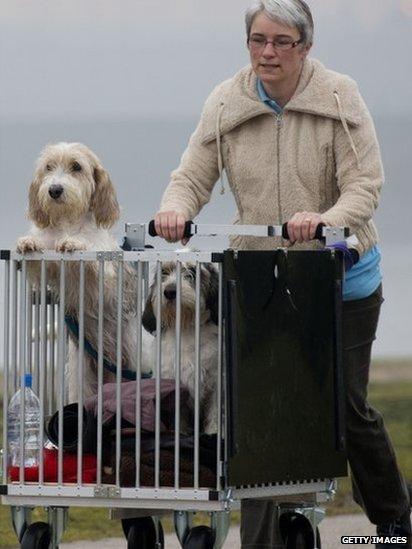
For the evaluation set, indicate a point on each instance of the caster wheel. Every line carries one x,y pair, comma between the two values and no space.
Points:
300,536
36,536
141,533
199,537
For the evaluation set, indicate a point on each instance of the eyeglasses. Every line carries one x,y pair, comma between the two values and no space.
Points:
258,43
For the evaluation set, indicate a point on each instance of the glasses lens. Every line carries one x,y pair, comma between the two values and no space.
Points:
283,44
259,43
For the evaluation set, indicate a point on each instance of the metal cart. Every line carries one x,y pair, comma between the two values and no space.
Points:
279,415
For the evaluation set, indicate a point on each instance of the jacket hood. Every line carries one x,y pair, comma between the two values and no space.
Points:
236,100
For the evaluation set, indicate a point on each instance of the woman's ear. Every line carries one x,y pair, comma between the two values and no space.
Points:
305,50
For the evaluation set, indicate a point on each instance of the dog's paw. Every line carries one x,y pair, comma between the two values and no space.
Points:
27,244
69,244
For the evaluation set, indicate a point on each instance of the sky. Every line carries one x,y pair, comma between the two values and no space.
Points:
100,58
129,78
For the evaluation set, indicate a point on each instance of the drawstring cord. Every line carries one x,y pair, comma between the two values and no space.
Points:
219,148
346,128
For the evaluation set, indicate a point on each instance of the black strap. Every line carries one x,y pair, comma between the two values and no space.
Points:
73,326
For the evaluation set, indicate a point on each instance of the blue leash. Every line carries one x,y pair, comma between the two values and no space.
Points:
73,326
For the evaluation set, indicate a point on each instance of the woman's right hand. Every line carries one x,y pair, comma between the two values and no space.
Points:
170,226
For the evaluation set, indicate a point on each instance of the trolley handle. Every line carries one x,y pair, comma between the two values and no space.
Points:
187,232
318,232
331,237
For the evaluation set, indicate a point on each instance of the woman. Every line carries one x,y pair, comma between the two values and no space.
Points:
298,144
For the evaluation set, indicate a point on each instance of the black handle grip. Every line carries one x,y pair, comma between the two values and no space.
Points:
318,233
187,233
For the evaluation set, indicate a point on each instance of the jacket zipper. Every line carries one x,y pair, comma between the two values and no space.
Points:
279,123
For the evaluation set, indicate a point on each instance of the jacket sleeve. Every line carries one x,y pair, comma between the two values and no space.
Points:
359,174
192,183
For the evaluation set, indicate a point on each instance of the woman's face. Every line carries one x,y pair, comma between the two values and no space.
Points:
271,65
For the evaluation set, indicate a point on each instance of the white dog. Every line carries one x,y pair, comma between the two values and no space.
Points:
73,204
208,336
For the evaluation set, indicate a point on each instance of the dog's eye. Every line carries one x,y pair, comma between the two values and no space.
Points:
48,168
191,271
76,167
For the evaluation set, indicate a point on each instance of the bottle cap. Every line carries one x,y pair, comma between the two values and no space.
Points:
28,379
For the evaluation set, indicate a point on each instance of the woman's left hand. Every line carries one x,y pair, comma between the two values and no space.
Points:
302,226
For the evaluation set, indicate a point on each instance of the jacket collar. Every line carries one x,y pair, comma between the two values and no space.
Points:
239,100
315,94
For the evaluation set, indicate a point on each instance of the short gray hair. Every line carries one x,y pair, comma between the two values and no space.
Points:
293,13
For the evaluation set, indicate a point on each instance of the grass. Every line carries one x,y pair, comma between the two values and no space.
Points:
393,399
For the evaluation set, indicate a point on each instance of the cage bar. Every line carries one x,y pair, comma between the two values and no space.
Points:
60,367
6,365
80,379
100,369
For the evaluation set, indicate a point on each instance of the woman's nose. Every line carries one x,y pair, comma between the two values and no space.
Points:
268,50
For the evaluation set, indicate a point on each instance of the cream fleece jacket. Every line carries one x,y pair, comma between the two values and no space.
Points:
320,155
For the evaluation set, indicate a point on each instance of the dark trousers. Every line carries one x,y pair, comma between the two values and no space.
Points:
378,487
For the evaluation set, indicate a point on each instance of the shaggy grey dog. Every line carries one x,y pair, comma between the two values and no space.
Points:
208,334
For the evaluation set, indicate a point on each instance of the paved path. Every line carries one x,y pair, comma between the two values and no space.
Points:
331,530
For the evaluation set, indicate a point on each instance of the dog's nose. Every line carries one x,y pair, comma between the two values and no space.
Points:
55,191
170,293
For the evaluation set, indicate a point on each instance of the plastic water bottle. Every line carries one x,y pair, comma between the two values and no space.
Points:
31,427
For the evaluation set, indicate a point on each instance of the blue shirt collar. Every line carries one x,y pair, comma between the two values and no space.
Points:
266,99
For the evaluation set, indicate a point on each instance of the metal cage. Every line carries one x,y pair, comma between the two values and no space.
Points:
38,330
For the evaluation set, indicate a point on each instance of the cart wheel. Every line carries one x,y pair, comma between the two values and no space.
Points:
36,536
300,536
141,533
199,537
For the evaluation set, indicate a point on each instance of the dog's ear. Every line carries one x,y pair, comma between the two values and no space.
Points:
212,297
148,317
104,203
35,212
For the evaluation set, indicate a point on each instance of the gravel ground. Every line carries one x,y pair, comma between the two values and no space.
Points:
331,530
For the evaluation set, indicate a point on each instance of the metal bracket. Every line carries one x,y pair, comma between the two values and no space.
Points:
106,492
332,487
20,518
333,235
229,495
135,235
58,519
